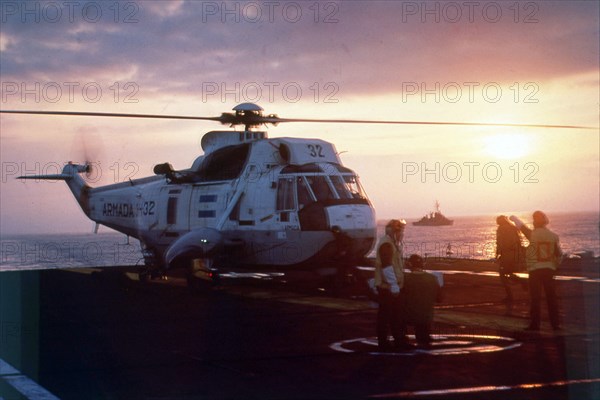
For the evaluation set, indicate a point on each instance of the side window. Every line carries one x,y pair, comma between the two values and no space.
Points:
172,211
235,213
304,196
285,194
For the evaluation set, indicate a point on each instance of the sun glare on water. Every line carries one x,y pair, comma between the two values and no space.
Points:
507,146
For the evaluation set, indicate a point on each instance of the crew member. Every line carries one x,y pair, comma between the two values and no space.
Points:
421,291
389,280
543,256
508,254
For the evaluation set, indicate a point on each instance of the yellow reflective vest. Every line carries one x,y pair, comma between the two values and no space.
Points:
543,250
397,263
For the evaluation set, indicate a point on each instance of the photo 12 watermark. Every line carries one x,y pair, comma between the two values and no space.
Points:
469,172
485,249
453,12
47,254
67,253
96,171
292,12
471,92
54,12
72,92
270,92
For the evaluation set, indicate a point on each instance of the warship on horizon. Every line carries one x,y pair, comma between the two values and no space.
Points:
434,218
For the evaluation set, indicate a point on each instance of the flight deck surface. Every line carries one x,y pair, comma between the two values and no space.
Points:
97,334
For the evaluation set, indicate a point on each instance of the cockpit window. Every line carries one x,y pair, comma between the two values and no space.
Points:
320,187
285,194
224,163
354,187
304,196
340,187
298,187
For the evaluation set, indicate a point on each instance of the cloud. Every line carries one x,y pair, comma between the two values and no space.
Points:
167,56
365,47
6,41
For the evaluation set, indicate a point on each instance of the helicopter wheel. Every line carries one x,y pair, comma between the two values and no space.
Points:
144,275
343,281
201,275
149,273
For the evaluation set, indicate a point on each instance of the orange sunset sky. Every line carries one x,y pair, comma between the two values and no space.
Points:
530,62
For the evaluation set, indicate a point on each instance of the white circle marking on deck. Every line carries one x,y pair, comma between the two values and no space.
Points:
442,345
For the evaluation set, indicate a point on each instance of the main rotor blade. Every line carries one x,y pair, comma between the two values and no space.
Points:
255,120
361,121
116,115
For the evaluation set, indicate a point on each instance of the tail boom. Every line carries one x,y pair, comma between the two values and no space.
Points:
70,174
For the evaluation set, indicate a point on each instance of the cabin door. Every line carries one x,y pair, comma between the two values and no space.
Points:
174,209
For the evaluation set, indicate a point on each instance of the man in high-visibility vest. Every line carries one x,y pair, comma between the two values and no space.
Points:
389,280
543,255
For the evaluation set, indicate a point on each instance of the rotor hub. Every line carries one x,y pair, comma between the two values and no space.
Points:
248,114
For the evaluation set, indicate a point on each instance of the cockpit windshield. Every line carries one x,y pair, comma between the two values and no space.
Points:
304,194
300,186
339,182
353,186
320,187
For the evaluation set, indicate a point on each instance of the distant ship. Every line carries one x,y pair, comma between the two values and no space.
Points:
435,218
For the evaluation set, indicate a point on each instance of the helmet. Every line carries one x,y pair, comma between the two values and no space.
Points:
540,219
395,225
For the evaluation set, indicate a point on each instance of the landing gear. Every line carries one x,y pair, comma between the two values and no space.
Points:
202,275
144,275
343,282
148,273
152,267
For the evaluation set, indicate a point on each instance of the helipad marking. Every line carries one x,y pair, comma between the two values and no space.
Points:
443,345
482,389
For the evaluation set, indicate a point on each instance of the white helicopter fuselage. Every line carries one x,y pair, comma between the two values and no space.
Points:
248,201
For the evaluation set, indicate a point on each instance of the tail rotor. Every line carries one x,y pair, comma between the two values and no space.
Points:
88,146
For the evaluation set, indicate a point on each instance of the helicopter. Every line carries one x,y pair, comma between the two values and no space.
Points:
248,202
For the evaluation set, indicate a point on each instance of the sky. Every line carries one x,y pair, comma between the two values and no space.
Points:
529,62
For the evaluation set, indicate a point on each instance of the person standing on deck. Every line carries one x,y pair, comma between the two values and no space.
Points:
508,254
421,291
543,256
389,280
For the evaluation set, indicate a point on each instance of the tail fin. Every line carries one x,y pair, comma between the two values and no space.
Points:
70,174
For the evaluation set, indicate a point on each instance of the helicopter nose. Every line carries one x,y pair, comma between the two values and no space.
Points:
351,217
353,227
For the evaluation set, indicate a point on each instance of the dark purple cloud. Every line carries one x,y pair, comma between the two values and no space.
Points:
363,47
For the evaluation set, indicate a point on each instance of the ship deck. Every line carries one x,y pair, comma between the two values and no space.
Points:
100,333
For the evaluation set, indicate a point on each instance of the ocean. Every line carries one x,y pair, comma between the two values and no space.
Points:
469,237
475,237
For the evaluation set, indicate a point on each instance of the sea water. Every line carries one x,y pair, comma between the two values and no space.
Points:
475,237
469,237
47,251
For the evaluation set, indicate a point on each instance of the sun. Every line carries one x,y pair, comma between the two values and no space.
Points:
507,146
